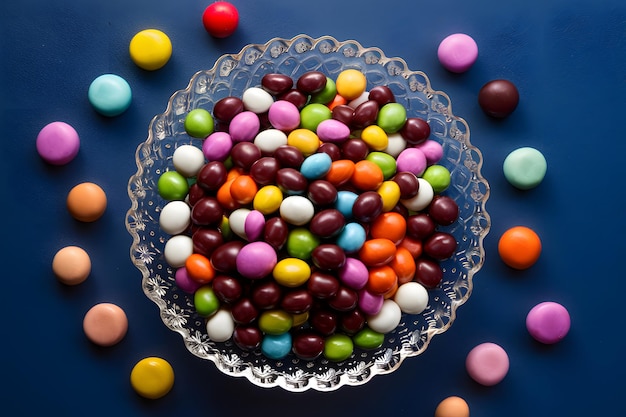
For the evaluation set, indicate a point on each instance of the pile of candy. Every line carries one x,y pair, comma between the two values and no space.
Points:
311,222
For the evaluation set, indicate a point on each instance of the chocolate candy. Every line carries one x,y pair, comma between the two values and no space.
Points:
498,98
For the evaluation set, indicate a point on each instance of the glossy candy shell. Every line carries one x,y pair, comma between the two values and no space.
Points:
229,77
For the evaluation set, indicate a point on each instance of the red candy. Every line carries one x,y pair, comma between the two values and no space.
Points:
220,19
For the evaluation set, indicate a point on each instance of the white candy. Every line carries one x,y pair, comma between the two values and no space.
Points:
270,139
220,326
175,217
387,319
359,100
395,145
177,250
237,221
297,210
257,100
188,160
423,198
411,297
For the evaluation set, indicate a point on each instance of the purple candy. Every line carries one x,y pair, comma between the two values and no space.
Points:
354,273
217,146
332,130
411,160
284,115
256,260
254,224
548,322
244,127
58,143
432,150
369,303
184,282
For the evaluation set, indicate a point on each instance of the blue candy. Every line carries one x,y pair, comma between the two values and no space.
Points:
316,166
351,238
276,346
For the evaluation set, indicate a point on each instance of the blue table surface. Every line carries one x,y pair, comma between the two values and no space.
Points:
568,60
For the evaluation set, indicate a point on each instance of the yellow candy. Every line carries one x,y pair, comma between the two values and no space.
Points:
350,84
390,193
150,49
152,377
375,137
305,140
291,272
300,319
267,200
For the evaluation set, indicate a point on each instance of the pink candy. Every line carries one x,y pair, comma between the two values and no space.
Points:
256,260
58,143
244,127
284,115
457,52
412,160
548,322
487,364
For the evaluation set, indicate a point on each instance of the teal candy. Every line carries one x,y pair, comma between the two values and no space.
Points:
276,346
351,237
316,166
110,95
525,168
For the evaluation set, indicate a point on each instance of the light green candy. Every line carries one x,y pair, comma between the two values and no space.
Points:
338,347
525,168
391,117
368,339
313,114
205,301
172,186
438,177
327,94
199,123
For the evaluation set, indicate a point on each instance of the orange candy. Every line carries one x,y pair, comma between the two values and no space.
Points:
337,101
367,175
340,172
519,247
377,252
390,225
199,268
86,202
243,189
403,264
381,279
224,197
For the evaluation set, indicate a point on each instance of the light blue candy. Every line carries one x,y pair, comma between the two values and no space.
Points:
110,95
345,202
316,166
351,238
276,346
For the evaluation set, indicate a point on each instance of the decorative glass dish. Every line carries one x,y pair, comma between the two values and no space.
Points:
230,76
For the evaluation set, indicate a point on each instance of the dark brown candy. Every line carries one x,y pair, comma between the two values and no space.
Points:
440,245
311,82
443,210
212,175
227,108
244,154
415,130
276,84
365,114
498,98
382,95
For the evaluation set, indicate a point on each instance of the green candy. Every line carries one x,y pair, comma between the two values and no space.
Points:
313,114
327,94
275,322
172,186
205,301
199,123
438,177
368,339
338,347
385,162
525,168
391,117
301,242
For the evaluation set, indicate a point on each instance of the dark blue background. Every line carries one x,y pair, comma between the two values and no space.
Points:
568,59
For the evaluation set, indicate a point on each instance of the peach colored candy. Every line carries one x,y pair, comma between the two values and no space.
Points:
71,265
86,202
105,324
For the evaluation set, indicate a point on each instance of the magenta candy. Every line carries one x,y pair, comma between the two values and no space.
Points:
184,282
256,260
332,130
58,143
217,146
369,303
432,150
244,127
548,322
353,274
457,52
254,224
284,115
411,160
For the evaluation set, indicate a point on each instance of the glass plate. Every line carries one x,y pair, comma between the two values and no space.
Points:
230,76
